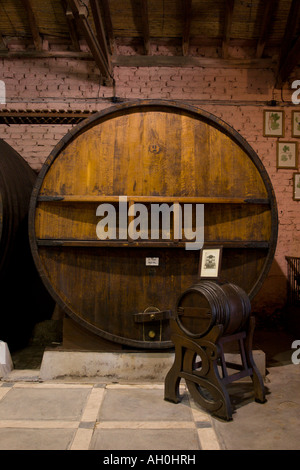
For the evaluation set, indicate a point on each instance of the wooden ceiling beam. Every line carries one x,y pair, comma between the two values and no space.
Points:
100,31
229,6
288,53
108,25
187,16
80,15
145,26
71,26
38,42
290,30
189,61
266,23
291,61
3,46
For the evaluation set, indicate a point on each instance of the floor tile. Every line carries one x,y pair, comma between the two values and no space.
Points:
35,403
150,439
35,439
142,405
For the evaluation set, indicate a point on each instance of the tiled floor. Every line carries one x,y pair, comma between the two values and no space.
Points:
78,416
81,413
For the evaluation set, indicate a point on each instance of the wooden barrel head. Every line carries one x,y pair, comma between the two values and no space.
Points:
152,152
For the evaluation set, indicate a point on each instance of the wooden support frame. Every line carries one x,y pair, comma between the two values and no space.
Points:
205,383
80,16
108,25
229,6
291,61
38,42
187,17
100,31
3,46
266,23
71,25
290,50
190,61
145,26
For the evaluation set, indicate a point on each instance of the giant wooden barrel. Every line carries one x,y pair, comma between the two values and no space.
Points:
210,303
22,294
150,152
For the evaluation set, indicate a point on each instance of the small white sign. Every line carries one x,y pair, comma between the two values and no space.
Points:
152,261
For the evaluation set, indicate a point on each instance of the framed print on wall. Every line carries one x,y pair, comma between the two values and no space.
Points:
296,189
295,123
273,123
287,155
210,262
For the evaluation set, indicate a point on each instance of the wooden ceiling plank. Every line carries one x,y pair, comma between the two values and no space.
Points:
229,6
108,25
265,27
80,16
38,43
145,26
100,31
71,26
187,17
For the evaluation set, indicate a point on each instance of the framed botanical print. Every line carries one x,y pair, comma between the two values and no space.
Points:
273,123
287,155
210,262
296,123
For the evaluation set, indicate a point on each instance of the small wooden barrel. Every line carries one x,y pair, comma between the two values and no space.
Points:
210,303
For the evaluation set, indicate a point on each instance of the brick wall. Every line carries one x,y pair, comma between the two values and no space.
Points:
238,96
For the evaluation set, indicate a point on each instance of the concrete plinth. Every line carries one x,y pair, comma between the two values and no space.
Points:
119,365
110,365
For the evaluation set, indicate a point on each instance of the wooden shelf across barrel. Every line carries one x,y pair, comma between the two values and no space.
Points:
152,199
144,244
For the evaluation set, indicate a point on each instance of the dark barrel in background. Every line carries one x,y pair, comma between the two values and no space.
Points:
159,152
23,297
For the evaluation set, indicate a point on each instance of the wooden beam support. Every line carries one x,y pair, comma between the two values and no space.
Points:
80,15
187,16
3,46
145,26
291,61
229,6
108,25
100,31
287,58
71,25
267,19
190,61
38,43
46,54
290,30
